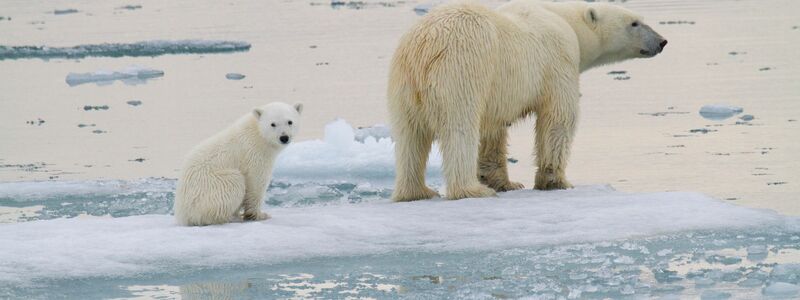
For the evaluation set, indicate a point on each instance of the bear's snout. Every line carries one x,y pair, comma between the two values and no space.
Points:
284,139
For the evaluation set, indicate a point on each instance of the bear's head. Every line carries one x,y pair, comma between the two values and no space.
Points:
278,122
620,34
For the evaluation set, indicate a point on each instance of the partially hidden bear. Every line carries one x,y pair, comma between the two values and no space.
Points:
465,72
225,177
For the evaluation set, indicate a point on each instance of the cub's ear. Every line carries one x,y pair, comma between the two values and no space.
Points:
590,17
298,107
258,112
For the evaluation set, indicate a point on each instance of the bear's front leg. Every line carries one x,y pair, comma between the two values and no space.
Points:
556,120
252,200
492,165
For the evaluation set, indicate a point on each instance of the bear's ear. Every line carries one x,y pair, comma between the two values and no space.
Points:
591,16
298,107
258,112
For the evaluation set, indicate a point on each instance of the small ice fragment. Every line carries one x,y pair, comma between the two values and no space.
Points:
714,295
627,290
719,112
785,272
423,9
134,102
756,249
747,118
664,252
65,11
579,276
625,260
234,76
781,289
704,281
378,131
130,7
751,282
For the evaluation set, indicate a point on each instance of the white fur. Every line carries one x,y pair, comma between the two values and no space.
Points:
229,172
464,73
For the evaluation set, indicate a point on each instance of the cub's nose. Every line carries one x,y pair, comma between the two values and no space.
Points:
284,139
663,44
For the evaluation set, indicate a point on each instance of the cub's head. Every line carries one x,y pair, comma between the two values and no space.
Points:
621,33
278,122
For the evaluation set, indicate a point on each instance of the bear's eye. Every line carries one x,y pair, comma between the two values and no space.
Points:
290,122
634,24
273,124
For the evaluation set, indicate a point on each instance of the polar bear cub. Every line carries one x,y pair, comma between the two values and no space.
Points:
228,173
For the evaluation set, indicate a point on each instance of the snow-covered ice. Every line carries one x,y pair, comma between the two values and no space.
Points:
719,111
144,48
80,247
131,75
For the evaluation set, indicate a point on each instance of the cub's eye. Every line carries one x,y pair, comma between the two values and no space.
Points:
290,122
634,24
273,124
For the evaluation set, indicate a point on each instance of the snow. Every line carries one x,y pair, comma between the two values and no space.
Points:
85,247
131,75
143,48
719,112
341,156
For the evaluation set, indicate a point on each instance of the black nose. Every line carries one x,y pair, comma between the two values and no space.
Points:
284,139
663,44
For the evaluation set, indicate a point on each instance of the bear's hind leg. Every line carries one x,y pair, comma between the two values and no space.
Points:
217,196
412,147
492,166
459,140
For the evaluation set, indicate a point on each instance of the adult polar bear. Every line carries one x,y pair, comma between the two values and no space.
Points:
464,73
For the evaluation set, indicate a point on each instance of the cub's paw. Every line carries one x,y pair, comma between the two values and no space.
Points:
260,216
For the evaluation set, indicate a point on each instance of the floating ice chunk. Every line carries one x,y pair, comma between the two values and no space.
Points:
134,102
234,76
786,272
714,295
782,290
703,281
340,156
756,249
625,260
751,282
719,111
378,131
424,8
131,75
79,248
747,118
65,11
144,48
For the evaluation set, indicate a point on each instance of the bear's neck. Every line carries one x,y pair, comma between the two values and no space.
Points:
589,43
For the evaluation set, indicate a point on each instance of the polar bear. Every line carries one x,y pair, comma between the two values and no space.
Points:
229,172
464,73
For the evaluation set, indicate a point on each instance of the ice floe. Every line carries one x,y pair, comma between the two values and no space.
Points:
131,75
144,48
81,247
